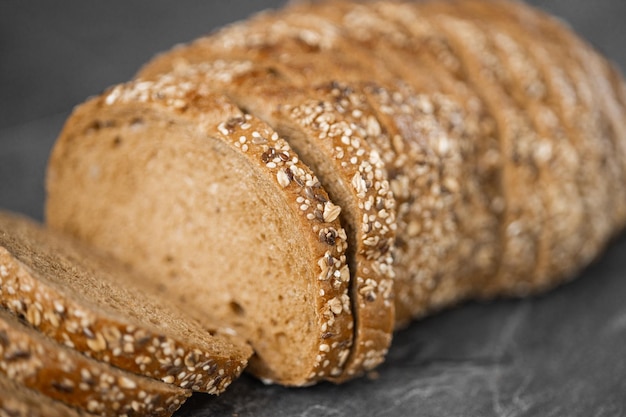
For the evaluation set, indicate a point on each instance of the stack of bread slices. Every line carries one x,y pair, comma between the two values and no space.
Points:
307,181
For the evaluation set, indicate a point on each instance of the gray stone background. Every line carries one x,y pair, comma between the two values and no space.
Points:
561,354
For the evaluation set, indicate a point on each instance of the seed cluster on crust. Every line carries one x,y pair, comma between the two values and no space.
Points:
525,212
418,154
187,90
471,247
29,358
446,235
340,129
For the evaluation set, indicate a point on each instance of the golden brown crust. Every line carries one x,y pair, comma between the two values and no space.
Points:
42,269
552,155
542,82
586,96
18,401
63,374
525,210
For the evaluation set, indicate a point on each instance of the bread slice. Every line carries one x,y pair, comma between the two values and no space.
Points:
330,136
19,401
96,307
216,208
35,361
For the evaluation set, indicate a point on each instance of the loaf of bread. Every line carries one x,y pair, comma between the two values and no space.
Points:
316,176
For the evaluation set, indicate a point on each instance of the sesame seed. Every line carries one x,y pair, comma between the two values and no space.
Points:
283,178
331,212
168,379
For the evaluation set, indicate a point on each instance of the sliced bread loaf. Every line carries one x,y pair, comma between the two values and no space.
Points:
216,208
17,400
453,231
37,362
96,307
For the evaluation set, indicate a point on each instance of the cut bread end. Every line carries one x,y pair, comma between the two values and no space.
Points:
217,210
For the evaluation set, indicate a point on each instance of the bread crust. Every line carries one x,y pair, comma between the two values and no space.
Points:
572,72
191,97
18,401
447,243
63,374
544,82
423,261
44,297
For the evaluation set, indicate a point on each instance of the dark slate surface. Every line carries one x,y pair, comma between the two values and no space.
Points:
562,354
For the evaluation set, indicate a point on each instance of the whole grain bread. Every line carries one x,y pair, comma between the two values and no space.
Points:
93,305
242,230
56,371
500,155
19,401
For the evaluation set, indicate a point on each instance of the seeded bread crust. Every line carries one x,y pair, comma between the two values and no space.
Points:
448,243
525,212
297,45
551,156
31,359
122,324
190,98
18,401
550,79
588,116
